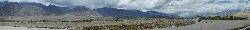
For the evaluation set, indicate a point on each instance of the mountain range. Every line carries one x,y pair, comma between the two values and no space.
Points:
38,9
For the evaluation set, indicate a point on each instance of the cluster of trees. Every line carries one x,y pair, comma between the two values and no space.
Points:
2,20
224,18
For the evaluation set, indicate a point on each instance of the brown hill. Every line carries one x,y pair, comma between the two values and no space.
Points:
243,13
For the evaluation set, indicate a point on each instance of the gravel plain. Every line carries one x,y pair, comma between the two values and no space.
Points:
211,25
204,25
73,25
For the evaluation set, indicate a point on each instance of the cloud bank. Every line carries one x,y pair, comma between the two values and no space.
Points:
182,8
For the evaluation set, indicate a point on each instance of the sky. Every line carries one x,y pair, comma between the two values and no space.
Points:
184,8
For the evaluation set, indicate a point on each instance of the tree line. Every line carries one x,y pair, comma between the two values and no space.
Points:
223,18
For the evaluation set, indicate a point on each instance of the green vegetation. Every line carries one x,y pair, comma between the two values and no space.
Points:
2,20
224,18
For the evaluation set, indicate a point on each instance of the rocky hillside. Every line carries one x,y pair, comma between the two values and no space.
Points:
83,11
8,9
30,11
38,9
113,12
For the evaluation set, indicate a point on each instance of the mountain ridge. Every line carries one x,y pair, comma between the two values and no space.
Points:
52,10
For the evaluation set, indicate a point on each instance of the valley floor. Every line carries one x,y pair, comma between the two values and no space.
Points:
170,25
211,25
95,25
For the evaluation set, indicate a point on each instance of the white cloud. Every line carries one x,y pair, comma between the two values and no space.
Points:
181,7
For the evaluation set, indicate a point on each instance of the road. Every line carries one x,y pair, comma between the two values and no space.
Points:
211,25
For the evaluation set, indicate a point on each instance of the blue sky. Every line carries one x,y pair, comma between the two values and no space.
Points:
183,8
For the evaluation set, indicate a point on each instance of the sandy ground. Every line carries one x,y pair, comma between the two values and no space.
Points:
24,28
211,25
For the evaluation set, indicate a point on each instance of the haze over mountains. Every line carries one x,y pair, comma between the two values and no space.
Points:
38,9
